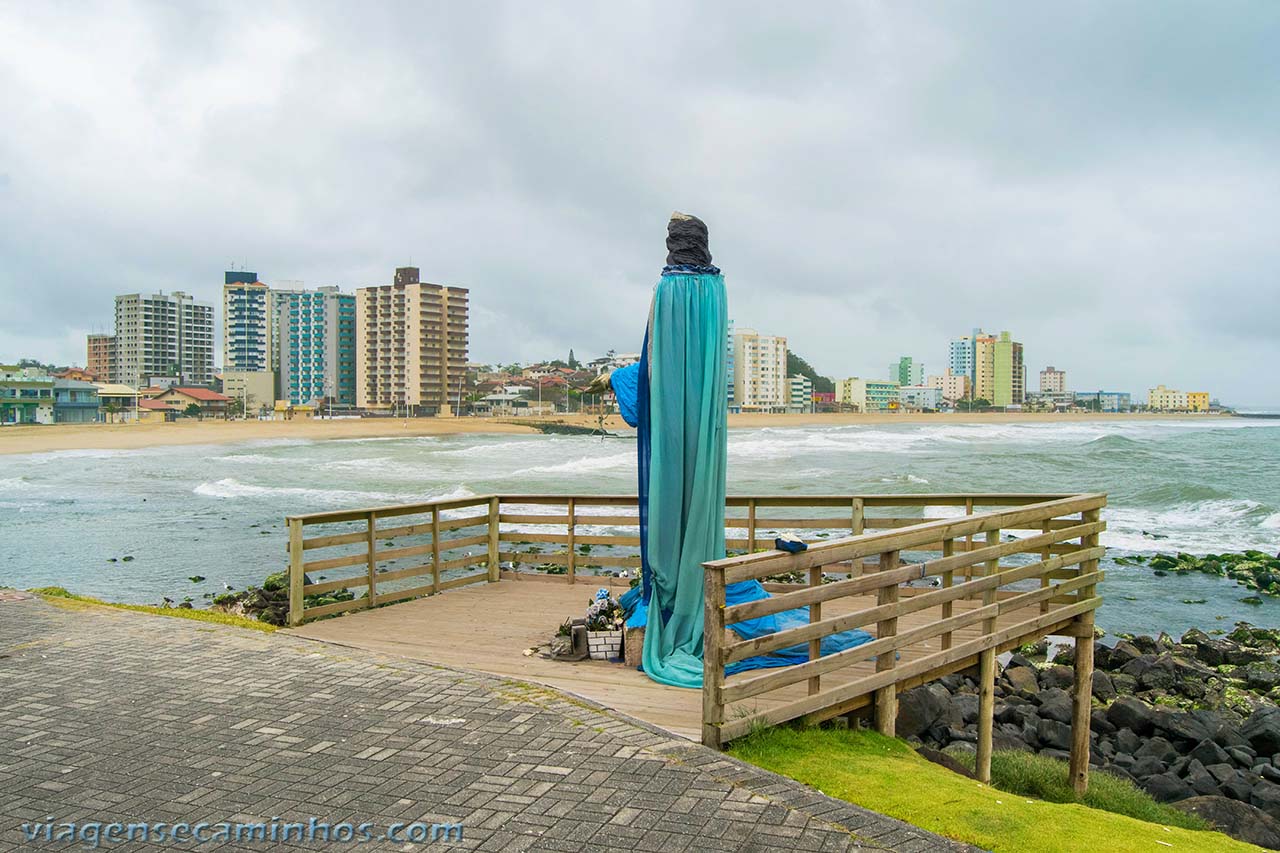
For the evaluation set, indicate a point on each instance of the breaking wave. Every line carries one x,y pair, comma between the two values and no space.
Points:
230,488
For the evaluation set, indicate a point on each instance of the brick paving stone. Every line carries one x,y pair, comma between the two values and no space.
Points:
108,715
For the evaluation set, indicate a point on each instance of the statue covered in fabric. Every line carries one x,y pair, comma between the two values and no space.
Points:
675,397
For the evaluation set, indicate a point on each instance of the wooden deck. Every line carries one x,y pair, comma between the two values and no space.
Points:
487,627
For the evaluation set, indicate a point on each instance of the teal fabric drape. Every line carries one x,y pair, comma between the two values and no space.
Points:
687,414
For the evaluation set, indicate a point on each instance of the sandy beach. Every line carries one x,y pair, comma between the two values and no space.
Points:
43,439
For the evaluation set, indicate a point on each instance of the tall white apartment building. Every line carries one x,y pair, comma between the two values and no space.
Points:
760,381
163,335
247,339
1053,381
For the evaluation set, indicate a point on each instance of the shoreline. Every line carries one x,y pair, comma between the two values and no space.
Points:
61,437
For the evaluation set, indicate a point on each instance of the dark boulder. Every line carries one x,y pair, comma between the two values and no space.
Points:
1017,660
1127,741
1262,730
1207,752
1241,821
1242,758
1058,676
1222,772
1128,712
1022,679
920,708
1126,685
944,760
1055,704
965,705
1200,779
1266,796
1162,674
1179,726
1237,788
1144,644
1099,723
1167,788
1104,690
1157,747
1269,772
1207,650
1121,653
1139,665
1148,765
1054,734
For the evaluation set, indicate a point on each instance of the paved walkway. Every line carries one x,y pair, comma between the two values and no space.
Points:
107,715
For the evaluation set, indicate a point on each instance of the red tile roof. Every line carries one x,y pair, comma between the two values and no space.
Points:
202,394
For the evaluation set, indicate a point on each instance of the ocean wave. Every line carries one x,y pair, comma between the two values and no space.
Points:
13,484
584,465
257,459
1206,526
230,488
486,449
63,455
905,478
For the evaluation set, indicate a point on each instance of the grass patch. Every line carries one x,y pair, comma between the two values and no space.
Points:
887,776
1050,779
60,596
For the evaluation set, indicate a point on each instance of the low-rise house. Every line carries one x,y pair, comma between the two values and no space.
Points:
26,395
117,402
211,403
75,401
920,397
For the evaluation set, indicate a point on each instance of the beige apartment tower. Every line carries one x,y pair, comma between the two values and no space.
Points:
411,343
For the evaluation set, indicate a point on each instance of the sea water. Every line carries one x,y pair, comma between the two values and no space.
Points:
217,511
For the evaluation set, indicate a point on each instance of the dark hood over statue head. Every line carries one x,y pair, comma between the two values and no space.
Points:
687,241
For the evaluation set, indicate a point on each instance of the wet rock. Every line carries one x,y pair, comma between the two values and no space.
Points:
1241,757
1207,649
1134,714
1167,788
1266,796
920,708
1055,704
1240,820
1022,679
965,705
1104,689
1207,752
1121,653
1162,674
1057,676
1054,734
1262,730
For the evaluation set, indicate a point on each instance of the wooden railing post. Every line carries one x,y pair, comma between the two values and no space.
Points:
495,567
1045,553
751,526
987,675
1083,681
295,571
373,558
859,521
815,615
435,550
948,578
572,561
968,510
887,697
712,655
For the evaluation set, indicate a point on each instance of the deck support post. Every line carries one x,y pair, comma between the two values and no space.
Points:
295,571
435,551
986,712
712,656
571,560
495,567
886,698
815,615
373,559
948,578
1083,686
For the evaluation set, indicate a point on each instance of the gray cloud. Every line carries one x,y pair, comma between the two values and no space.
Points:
877,177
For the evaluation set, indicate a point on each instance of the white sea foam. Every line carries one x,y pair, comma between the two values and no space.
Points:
257,459
584,465
13,484
1200,527
229,488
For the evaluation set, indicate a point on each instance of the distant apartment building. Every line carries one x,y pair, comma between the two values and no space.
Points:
867,395
163,335
411,341
246,323
317,352
1010,374
1053,381
907,371
984,368
953,387
100,358
728,364
1104,401
760,379
962,360
1162,399
799,395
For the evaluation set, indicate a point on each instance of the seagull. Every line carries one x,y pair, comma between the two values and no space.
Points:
228,587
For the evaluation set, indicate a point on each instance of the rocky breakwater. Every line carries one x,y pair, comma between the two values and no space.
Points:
1194,722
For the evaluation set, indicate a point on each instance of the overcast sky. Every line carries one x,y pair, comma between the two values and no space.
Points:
1100,179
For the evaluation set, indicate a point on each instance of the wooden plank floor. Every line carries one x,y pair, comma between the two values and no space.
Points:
486,627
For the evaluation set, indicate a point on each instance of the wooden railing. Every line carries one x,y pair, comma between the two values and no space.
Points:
979,608
385,554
